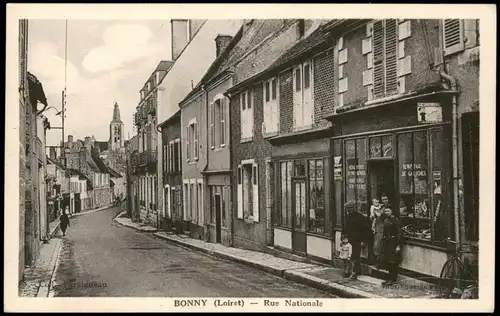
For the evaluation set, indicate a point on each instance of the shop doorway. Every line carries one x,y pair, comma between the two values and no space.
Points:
381,175
299,237
218,218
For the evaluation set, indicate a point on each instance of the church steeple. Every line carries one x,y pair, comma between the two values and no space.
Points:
116,137
116,114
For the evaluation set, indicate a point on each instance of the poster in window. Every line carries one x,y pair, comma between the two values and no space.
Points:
337,168
436,177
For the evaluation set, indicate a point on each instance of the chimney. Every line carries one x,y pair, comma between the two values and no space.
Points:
221,42
194,26
88,141
70,141
180,37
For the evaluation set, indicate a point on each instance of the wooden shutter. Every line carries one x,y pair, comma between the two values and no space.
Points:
378,59
308,104
391,58
212,126
240,192
222,130
297,96
195,141
453,35
187,144
250,112
255,186
243,125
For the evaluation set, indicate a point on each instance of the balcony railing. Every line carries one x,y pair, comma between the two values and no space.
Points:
145,158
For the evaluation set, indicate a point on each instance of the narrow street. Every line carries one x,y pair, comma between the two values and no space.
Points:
102,258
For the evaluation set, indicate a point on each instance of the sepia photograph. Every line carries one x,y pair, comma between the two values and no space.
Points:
238,163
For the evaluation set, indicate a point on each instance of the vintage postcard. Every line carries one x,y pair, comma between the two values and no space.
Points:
250,157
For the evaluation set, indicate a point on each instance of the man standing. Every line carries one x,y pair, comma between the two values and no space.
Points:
357,228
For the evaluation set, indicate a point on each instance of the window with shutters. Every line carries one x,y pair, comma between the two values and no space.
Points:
247,119
177,155
453,35
303,101
385,58
212,125
220,121
271,107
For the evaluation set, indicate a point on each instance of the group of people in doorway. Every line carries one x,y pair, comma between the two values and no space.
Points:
380,231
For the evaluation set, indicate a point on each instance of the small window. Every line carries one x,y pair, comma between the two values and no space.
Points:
243,98
249,99
254,175
273,89
298,83
267,91
307,76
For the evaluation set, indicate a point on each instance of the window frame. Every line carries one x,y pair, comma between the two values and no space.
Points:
306,94
247,119
272,105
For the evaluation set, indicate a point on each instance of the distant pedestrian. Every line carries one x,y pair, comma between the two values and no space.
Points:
345,252
64,221
392,245
358,227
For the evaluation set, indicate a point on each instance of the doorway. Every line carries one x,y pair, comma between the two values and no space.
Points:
218,218
299,237
381,174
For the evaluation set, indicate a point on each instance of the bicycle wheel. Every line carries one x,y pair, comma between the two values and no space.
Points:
448,278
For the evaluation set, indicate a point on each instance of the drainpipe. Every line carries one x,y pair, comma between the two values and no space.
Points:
205,185
441,70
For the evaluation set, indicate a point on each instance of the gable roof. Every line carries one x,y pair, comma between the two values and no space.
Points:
252,35
114,173
320,38
98,161
101,145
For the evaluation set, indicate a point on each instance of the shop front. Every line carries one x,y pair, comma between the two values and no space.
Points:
218,218
301,220
409,163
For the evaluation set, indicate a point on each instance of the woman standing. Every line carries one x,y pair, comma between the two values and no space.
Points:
392,245
64,221
378,234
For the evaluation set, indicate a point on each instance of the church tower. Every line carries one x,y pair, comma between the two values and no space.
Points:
116,137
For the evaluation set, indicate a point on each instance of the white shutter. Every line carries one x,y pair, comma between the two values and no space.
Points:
240,192
297,96
187,143
308,107
212,126
255,186
453,35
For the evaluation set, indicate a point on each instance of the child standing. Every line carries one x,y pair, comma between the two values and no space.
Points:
345,252
375,211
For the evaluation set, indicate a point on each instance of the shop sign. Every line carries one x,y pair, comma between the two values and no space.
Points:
337,168
413,170
429,112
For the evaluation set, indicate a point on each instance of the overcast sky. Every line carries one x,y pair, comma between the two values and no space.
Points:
107,61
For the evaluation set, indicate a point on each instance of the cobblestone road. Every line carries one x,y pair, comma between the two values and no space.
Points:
102,258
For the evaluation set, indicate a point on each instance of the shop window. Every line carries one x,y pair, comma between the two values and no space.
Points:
356,174
414,202
380,146
285,218
300,168
316,196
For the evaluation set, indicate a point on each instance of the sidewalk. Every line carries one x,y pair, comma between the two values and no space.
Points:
38,278
322,277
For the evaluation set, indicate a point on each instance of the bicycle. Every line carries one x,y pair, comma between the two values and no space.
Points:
454,275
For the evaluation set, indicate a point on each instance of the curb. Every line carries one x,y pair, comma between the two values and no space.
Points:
46,286
130,226
92,211
290,275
